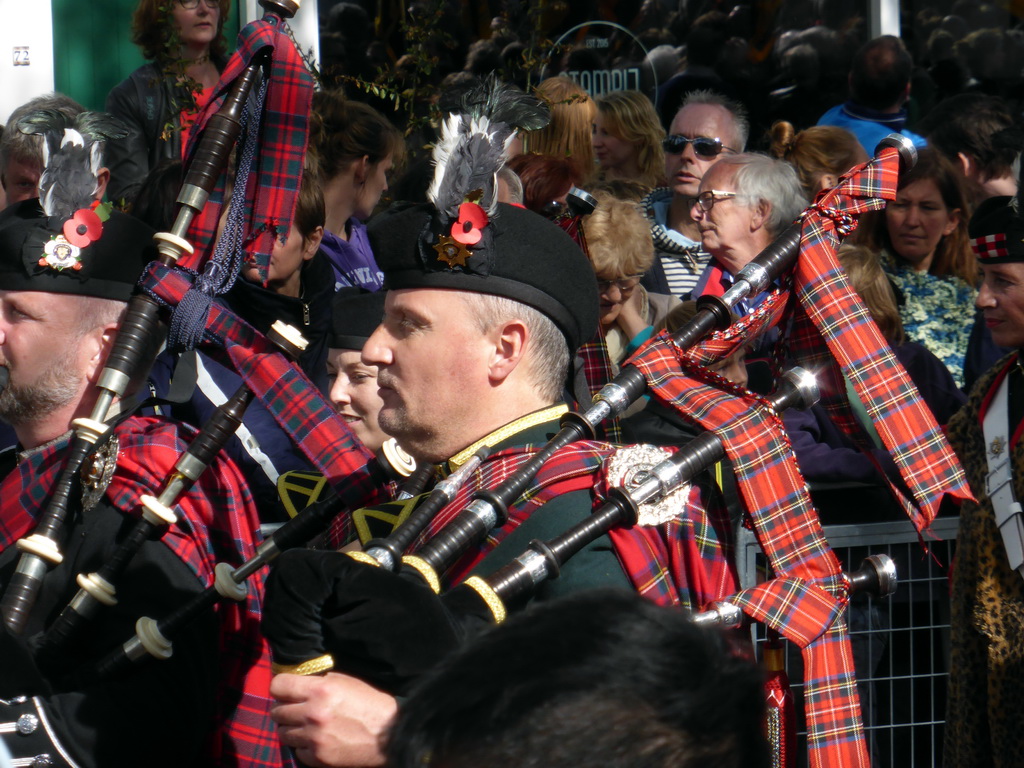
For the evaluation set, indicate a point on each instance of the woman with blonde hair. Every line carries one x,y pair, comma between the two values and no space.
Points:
627,139
820,154
619,244
921,239
568,132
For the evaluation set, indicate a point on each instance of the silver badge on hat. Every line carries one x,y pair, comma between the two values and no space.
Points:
59,254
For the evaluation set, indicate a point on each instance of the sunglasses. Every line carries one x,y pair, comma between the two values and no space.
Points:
702,145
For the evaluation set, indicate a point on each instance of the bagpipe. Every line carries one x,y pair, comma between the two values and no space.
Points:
806,598
139,327
326,611
241,113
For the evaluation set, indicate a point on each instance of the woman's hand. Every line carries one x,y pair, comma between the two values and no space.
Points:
631,317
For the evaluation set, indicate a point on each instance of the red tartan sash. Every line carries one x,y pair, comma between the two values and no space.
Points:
685,562
218,523
274,182
803,609
301,411
805,602
833,313
571,469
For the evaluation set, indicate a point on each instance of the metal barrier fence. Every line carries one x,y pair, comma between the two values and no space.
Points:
900,644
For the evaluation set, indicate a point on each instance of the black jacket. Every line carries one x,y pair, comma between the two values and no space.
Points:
149,101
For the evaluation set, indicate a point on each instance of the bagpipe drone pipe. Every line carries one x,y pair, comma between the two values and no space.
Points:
137,332
327,611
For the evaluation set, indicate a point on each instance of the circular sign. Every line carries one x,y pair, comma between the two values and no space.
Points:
603,56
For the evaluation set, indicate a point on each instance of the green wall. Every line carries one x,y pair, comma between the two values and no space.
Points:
92,47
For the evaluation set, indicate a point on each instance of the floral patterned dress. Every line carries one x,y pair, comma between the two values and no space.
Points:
937,311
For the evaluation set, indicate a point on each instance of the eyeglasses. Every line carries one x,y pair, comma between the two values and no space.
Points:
702,145
190,5
625,284
706,200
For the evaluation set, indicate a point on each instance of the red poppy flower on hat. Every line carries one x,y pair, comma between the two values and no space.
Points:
472,219
83,228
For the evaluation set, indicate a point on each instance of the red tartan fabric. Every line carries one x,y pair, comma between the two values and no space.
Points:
683,563
317,429
834,313
571,469
790,534
218,523
284,128
807,610
688,562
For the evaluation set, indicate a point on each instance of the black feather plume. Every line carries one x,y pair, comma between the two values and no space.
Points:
502,103
72,156
473,144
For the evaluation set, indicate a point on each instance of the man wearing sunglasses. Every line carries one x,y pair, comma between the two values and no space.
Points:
708,126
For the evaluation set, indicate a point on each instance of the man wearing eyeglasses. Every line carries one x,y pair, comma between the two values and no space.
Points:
707,127
742,205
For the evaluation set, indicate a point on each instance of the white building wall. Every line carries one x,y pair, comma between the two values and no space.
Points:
26,53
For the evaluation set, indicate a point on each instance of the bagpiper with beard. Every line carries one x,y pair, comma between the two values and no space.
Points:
67,269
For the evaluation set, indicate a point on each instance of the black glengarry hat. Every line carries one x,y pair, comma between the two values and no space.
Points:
95,252
465,240
355,315
526,258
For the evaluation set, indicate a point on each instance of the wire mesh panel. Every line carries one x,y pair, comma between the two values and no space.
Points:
900,644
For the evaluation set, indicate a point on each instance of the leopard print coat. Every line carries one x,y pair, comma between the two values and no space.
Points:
985,716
